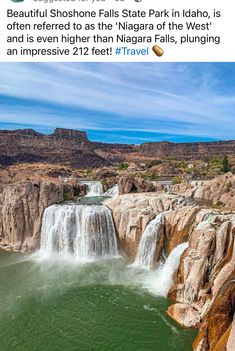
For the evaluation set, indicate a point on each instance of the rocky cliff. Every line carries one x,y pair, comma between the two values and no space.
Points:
188,150
64,146
219,191
21,209
70,134
204,282
67,146
132,213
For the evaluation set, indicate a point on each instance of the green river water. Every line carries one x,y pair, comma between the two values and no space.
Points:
99,306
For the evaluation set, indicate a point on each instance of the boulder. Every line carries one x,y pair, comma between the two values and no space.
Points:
128,184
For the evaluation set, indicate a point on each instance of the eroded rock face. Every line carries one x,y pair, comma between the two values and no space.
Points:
187,150
217,330
184,314
132,213
129,184
219,191
21,209
203,284
179,223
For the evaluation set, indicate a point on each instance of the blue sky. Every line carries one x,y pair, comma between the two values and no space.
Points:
121,102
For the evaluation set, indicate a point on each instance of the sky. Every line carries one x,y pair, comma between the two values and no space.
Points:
121,102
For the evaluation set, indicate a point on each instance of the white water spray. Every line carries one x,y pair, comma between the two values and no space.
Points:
162,280
85,232
112,192
148,242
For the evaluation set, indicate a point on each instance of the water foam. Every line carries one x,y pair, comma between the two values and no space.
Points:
162,279
112,192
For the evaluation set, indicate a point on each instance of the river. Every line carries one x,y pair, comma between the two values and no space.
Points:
62,305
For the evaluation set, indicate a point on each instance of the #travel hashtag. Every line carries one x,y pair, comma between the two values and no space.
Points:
131,52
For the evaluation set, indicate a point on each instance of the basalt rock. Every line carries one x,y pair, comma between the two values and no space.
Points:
188,150
72,147
204,282
129,184
217,331
132,213
219,191
21,209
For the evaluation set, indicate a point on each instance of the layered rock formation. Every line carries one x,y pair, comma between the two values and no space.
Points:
218,191
64,146
70,133
129,184
188,150
21,209
132,213
72,147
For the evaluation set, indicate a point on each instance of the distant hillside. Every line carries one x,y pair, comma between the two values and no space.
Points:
72,147
188,150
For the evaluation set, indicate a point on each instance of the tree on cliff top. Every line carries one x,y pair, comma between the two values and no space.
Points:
225,164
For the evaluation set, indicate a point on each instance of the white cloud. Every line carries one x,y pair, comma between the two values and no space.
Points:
144,96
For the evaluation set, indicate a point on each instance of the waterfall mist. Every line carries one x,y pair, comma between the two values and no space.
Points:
162,279
112,192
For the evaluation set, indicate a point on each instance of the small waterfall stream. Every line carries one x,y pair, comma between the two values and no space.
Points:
83,231
163,279
112,192
159,281
147,245
94,187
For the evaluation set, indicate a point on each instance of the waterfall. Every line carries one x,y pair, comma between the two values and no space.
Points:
82,231
148,242
112,192
163,277
95,188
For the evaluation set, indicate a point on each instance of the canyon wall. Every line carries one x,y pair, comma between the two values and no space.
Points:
219,191
188,150
21,210
132,213
204,286
64,146
72,147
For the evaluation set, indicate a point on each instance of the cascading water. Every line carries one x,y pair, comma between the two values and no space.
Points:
147,246
112,192
94,188
162,280
83,231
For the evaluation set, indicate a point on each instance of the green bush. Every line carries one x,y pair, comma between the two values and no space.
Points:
176,180
122,166
154,163
68,196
